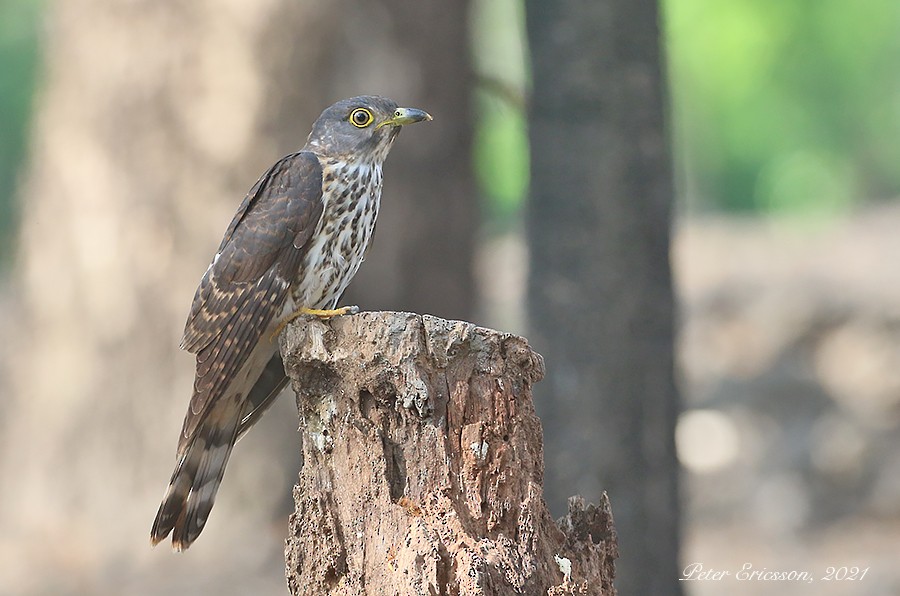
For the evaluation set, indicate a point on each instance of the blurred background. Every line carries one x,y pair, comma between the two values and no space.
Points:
574,145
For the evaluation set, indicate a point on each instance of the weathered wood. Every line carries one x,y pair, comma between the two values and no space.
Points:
424,466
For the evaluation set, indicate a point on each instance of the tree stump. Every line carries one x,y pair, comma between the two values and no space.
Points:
423,466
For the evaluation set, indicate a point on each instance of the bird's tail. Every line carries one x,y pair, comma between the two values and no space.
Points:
201,465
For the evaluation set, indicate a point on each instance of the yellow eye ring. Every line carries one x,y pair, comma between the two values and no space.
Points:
361,117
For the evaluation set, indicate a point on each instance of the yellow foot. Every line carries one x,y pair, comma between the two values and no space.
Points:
316,312
327,314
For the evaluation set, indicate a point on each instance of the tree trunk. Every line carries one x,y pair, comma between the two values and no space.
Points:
424,467
150,127
600,293
422,257
153,120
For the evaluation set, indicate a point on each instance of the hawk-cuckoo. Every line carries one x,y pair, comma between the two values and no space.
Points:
297,240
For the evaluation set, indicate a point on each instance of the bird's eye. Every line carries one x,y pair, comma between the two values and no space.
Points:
361,117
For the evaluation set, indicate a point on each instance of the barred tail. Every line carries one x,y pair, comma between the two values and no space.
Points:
192,490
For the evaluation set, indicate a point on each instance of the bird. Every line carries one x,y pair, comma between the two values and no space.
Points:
296,241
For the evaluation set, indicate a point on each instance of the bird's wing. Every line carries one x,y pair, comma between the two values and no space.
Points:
250,276
269,385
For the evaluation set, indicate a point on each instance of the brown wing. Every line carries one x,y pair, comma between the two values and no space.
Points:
250,276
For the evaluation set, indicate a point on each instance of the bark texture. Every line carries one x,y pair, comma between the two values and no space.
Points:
424,466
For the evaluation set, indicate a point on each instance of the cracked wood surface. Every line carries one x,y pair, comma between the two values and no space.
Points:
423,466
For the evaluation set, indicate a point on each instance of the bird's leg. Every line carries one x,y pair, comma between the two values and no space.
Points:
316,312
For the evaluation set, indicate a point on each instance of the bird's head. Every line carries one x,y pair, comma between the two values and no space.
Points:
361,127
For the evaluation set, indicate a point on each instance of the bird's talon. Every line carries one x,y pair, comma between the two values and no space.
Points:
325,314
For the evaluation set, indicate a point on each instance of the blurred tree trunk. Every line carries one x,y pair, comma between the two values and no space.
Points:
154,120
422,258
600,292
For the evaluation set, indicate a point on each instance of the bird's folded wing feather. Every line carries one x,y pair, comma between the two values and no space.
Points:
250,276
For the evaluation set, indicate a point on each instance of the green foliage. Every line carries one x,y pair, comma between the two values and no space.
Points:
778,105
501,133
781,106
785,105
501,156
18,67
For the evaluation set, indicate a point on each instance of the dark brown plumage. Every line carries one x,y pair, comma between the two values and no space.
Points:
296,241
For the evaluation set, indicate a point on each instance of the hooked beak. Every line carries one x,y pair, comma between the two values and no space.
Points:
404,116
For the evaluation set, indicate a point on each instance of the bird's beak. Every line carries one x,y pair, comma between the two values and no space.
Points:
404,116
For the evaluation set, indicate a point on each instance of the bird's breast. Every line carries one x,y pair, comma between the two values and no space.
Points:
352,195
